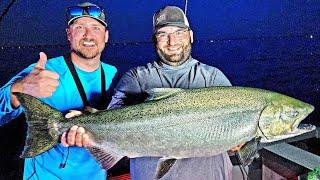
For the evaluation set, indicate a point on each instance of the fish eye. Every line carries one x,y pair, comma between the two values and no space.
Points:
289,114
293,114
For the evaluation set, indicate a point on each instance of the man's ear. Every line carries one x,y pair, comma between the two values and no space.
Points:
106,37
68,33
191,35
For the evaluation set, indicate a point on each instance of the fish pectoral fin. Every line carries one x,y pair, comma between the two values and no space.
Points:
106,159
248,152
164,166
161,93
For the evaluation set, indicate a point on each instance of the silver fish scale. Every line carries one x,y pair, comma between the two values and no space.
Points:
201,122
182,135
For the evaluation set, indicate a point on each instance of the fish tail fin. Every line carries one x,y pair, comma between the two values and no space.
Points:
42,121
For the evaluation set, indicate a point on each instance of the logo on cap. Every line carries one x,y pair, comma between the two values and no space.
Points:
160,18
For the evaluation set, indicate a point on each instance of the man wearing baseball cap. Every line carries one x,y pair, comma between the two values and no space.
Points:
77,80
174,68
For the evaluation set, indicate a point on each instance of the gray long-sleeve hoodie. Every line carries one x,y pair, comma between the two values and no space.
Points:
191,74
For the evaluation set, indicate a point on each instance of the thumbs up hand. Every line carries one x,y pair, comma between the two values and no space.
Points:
38,83
42,60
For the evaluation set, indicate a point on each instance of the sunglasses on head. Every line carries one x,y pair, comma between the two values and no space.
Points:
93,11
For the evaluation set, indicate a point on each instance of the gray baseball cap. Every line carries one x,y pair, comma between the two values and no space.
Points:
170,16
86,9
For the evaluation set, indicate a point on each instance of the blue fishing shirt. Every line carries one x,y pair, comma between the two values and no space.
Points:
80,164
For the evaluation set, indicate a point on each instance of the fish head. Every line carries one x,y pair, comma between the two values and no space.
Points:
282,116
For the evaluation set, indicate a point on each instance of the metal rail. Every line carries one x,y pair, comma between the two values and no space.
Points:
296,155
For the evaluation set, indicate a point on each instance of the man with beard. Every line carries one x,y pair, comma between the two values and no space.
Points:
175,68
77,80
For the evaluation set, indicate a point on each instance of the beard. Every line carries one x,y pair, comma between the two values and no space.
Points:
178,58
86,53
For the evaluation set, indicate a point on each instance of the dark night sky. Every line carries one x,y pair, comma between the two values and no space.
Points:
35,22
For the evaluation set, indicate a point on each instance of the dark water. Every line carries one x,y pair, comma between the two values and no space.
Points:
287,65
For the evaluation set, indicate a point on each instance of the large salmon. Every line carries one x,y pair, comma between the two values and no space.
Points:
172,123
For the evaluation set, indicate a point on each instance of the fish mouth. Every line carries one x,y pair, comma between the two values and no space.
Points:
306,127
301,129
308,110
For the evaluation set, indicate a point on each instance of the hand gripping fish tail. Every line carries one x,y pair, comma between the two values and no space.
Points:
46,125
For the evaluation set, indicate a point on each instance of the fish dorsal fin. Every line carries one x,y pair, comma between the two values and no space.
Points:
106,159
164,165
161,93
